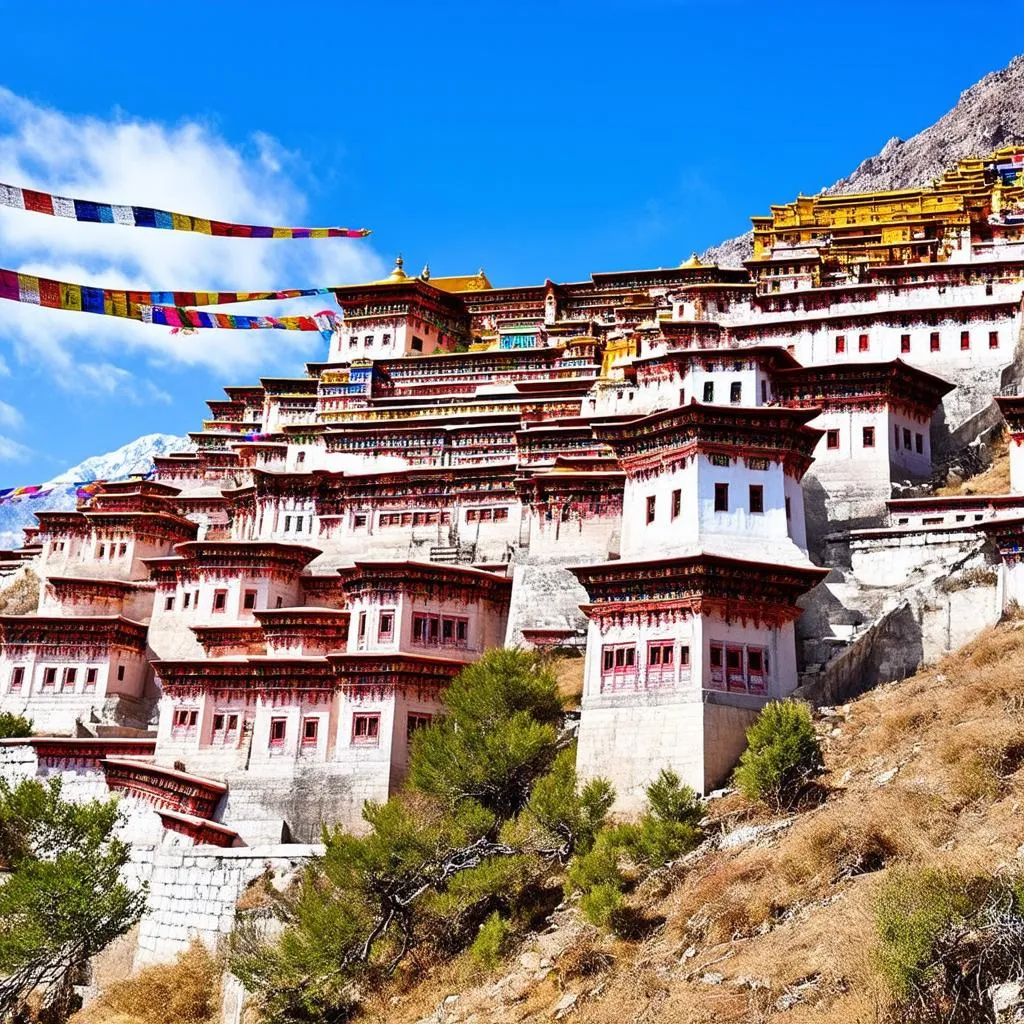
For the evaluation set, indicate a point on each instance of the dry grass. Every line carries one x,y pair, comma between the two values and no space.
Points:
993,480
928,771
22,596
569,674
184,992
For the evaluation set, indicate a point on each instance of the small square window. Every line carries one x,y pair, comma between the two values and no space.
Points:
386,629
359,521
677,503
721,497
187,601
933,341
919,444
169,604
414,722
904,343
756,499
310,730
993,339
220,600
366,728
868,437
965,340
249,600
709,391
17,678
906,439
122,550
120,673
840,344
832,440
651,505
863,343
49,678
736,392
69,680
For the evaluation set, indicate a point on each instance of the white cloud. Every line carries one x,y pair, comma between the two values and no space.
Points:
187,168
11,451
10,417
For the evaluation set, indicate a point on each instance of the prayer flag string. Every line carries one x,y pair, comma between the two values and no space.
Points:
83,489
88,211
169,308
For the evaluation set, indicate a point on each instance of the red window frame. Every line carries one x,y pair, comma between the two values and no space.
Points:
386,626
310,730
366,728
17,679
993,339
868,437
248,600
832,440
278,732
863,343
716,667
677,503
904,343
965,341
68,680
934,342
652,505
184,722
756,499
618,666
49,678
220,600
661,661
840,344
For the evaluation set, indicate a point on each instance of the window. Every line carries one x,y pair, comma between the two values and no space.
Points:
904,342
736,392
386,627
764,392
362,628
67,684
310,730
184,722
756,499
896,437
993,339
415,721
682,396
49,678
832,440
287,524
278,602
359,521
709,391
385,339
618,665
919,444
225,728
300,457
434,630
187,602
906,439
169,604
122,550
840,344
721,497
716,676
684,661
278,731
366,728
965,340
102,551
417,345
220,600
677,503
868,437
660,661
933,341
353,341
120,673
17,678
862,343
368,341
651,504
789,514
249,600
298,524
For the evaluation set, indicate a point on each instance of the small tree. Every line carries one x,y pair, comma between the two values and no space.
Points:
64,899
14,726
491,805
782,755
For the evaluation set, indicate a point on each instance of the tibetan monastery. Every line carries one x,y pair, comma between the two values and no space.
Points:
647,467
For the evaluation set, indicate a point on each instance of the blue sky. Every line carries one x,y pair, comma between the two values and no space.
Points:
533,139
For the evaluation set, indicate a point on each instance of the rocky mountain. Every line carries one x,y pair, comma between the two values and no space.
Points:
131,458
988,115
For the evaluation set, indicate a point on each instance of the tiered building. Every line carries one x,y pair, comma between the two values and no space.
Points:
644,466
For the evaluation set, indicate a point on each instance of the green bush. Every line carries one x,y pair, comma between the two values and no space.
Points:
601,904
782,755
490,943
13,726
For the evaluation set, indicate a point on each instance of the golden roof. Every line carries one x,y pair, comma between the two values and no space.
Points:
693,261
466,283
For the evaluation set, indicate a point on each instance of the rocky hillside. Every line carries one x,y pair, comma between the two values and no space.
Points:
777,917
134,457
989,114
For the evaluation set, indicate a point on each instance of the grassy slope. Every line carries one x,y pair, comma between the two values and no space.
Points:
923,771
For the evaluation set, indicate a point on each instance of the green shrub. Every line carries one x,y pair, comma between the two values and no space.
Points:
912,911
601,904
14,726
490,943
782,754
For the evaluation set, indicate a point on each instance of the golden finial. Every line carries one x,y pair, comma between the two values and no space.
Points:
425,272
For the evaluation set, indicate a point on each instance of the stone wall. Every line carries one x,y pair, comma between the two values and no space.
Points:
193,891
